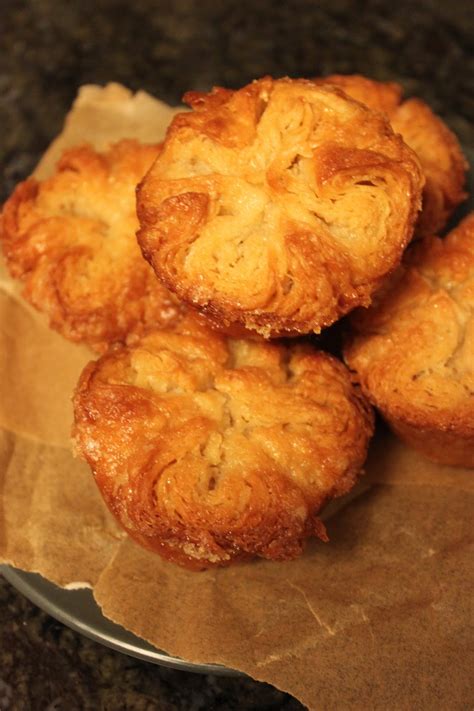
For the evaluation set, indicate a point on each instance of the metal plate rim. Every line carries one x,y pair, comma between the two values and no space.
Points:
41,592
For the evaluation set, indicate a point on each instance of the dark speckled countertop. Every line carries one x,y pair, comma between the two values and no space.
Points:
48,49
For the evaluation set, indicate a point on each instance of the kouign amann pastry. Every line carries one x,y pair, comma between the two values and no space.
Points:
72,240
438,149
210,449
279,207
414,350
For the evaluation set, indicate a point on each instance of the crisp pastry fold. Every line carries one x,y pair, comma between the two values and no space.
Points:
209,449
278,207
413,351
436,146
71,239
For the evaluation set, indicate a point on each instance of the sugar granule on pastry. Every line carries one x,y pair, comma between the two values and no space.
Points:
438,149
71,239
209,449
414,350
279,207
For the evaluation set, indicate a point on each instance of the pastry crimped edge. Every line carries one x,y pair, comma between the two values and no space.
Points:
435,144
437,278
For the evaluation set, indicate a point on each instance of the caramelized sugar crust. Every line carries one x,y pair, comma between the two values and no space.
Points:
72,240
414,350
436,146
279,207
209,449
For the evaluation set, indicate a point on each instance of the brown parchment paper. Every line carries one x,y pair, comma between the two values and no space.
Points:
379,618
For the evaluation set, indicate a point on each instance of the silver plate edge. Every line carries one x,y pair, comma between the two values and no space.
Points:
35,588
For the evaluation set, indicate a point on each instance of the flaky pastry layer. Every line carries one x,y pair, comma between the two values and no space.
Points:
414,350
279,207
436,146
209,449
72,240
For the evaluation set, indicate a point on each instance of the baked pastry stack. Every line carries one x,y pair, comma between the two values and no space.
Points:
267,213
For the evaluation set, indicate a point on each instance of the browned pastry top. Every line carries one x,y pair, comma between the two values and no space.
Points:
208,449
71,240
438,149
280,206
414,350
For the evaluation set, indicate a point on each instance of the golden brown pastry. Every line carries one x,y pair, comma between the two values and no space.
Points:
279,207
210,449
414,351
71,240
438,149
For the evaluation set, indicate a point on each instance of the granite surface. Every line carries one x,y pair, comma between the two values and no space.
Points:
45,666
48,49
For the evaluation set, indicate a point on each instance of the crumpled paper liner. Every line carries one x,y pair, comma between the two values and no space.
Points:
379,618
